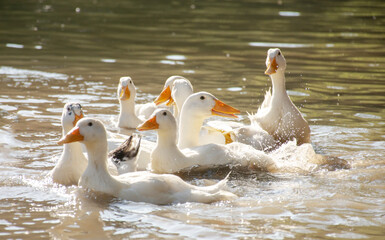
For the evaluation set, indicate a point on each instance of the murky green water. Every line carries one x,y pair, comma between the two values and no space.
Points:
52,52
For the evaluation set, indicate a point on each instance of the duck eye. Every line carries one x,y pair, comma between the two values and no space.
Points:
202,97
131,82
164,113
279,53
69,113
90,124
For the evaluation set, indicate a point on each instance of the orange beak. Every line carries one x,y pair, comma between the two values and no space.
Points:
78,117
150,124
124,93
224,110
73,136
272,68
164,96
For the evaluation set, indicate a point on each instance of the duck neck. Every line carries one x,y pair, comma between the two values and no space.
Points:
167,157
167,138
279,87
97,157
189,129
127,116
176,112
72,151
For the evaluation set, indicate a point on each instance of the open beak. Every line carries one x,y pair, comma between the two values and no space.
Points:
124,93
78,117
164,96
150,124
272,67
73,136
224,110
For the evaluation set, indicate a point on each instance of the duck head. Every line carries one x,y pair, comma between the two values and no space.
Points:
166,93
87,130
161,119
181,90
72,113
275,61
126,89
204,105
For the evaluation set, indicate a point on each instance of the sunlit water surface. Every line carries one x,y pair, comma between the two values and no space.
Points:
55,52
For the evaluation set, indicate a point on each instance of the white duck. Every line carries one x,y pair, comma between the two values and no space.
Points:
198,107
135,186
126,95
72,162
168,158
278,115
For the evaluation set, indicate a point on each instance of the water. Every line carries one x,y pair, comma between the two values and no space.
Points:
53,52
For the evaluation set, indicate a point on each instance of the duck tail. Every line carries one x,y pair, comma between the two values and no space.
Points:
205,197
215,188
127,151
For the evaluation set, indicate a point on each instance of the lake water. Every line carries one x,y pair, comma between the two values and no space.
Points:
52,52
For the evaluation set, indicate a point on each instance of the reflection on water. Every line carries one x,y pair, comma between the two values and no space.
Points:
54,52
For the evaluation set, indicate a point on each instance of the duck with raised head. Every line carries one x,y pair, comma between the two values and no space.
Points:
167,157
135,186
72,161
126,94
277,114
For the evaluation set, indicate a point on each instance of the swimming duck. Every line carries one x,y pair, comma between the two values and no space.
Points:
135,186
126,95
277,114
72,161
168,158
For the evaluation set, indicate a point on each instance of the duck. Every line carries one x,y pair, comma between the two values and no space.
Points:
126,92
134,186
277,114
72,161
167,157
